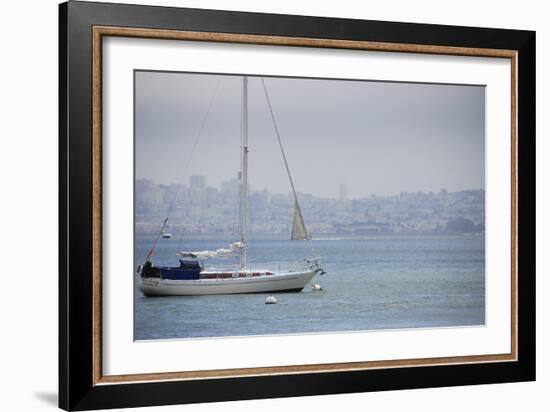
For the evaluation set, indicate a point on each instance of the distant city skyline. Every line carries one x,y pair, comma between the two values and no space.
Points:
340,192
197,208
372,137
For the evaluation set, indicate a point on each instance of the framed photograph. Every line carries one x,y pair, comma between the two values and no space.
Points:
257,205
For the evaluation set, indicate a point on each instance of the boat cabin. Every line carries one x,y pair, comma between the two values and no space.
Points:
187,270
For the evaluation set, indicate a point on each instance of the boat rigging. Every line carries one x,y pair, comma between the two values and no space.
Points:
191,278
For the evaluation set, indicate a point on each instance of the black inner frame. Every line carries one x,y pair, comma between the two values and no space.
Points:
76,388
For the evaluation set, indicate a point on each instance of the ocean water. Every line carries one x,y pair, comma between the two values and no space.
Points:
372,282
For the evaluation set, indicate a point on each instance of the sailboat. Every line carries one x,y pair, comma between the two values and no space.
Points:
191,277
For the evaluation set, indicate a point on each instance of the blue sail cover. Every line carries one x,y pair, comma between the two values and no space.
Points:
188,270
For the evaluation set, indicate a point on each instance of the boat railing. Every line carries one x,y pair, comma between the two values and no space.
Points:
281,267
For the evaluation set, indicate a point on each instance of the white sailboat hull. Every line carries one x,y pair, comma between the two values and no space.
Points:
277,282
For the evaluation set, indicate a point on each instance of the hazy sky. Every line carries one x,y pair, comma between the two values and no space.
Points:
376,137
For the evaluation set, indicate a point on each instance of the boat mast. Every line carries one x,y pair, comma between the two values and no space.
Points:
244,173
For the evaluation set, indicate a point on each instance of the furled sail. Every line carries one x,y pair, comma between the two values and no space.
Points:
299,231
234,248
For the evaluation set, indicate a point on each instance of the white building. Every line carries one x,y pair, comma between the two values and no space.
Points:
342,192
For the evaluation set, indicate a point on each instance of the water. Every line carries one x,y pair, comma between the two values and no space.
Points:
378,282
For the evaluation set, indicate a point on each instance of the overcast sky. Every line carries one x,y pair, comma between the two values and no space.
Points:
381,138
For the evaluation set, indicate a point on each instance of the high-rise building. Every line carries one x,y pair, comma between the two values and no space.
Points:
197,182
342,192
230,188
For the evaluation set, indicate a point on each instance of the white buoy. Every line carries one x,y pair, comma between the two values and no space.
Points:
316,287
270,300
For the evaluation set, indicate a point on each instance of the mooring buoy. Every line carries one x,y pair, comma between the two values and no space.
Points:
270,300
